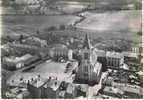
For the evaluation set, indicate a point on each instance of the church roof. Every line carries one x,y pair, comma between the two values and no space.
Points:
86,42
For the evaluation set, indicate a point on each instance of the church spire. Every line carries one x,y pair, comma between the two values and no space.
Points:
86,42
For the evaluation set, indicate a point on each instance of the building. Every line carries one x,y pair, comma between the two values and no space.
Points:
108,81
35,87
5,50
82,90
51,89
59,51
101,57
67,91
12,63
26,48
114,59
134,91
71,91
130,55
134,53
110,58
35,41
89,70
112,91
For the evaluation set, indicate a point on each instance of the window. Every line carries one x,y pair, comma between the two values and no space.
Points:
86,68
86,56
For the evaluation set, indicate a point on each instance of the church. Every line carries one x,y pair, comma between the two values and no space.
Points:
89,69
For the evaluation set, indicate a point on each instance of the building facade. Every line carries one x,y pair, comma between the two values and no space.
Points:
110,58
12,63
114,59
61,51
52,89
101,57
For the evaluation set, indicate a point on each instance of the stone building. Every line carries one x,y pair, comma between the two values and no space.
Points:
89,70
51,89
114,59
101,57
110,58
12,63
62,51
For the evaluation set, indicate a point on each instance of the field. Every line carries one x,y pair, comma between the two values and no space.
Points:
29,24
114,24
71,6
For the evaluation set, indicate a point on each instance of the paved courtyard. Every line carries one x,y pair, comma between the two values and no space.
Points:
45,70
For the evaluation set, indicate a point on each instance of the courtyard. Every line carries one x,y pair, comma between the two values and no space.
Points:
45,70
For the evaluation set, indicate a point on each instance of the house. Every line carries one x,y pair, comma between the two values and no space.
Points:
82,90
35,87
51,89
67,91
35,41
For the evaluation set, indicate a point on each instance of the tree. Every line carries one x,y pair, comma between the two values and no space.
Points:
37,32
15,6
139,33
62,27
137,5
21,38
52,28
5,2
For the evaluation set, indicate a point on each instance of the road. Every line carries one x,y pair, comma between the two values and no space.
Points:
34,64
16,74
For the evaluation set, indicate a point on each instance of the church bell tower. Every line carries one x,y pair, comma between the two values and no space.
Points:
88,59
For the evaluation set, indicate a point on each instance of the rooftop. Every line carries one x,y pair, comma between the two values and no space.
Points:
59,46
39,82
100,53
18,59
70,88
114,54
129,88
112,90
53,84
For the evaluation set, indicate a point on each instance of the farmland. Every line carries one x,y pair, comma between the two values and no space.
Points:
32,23
123,24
